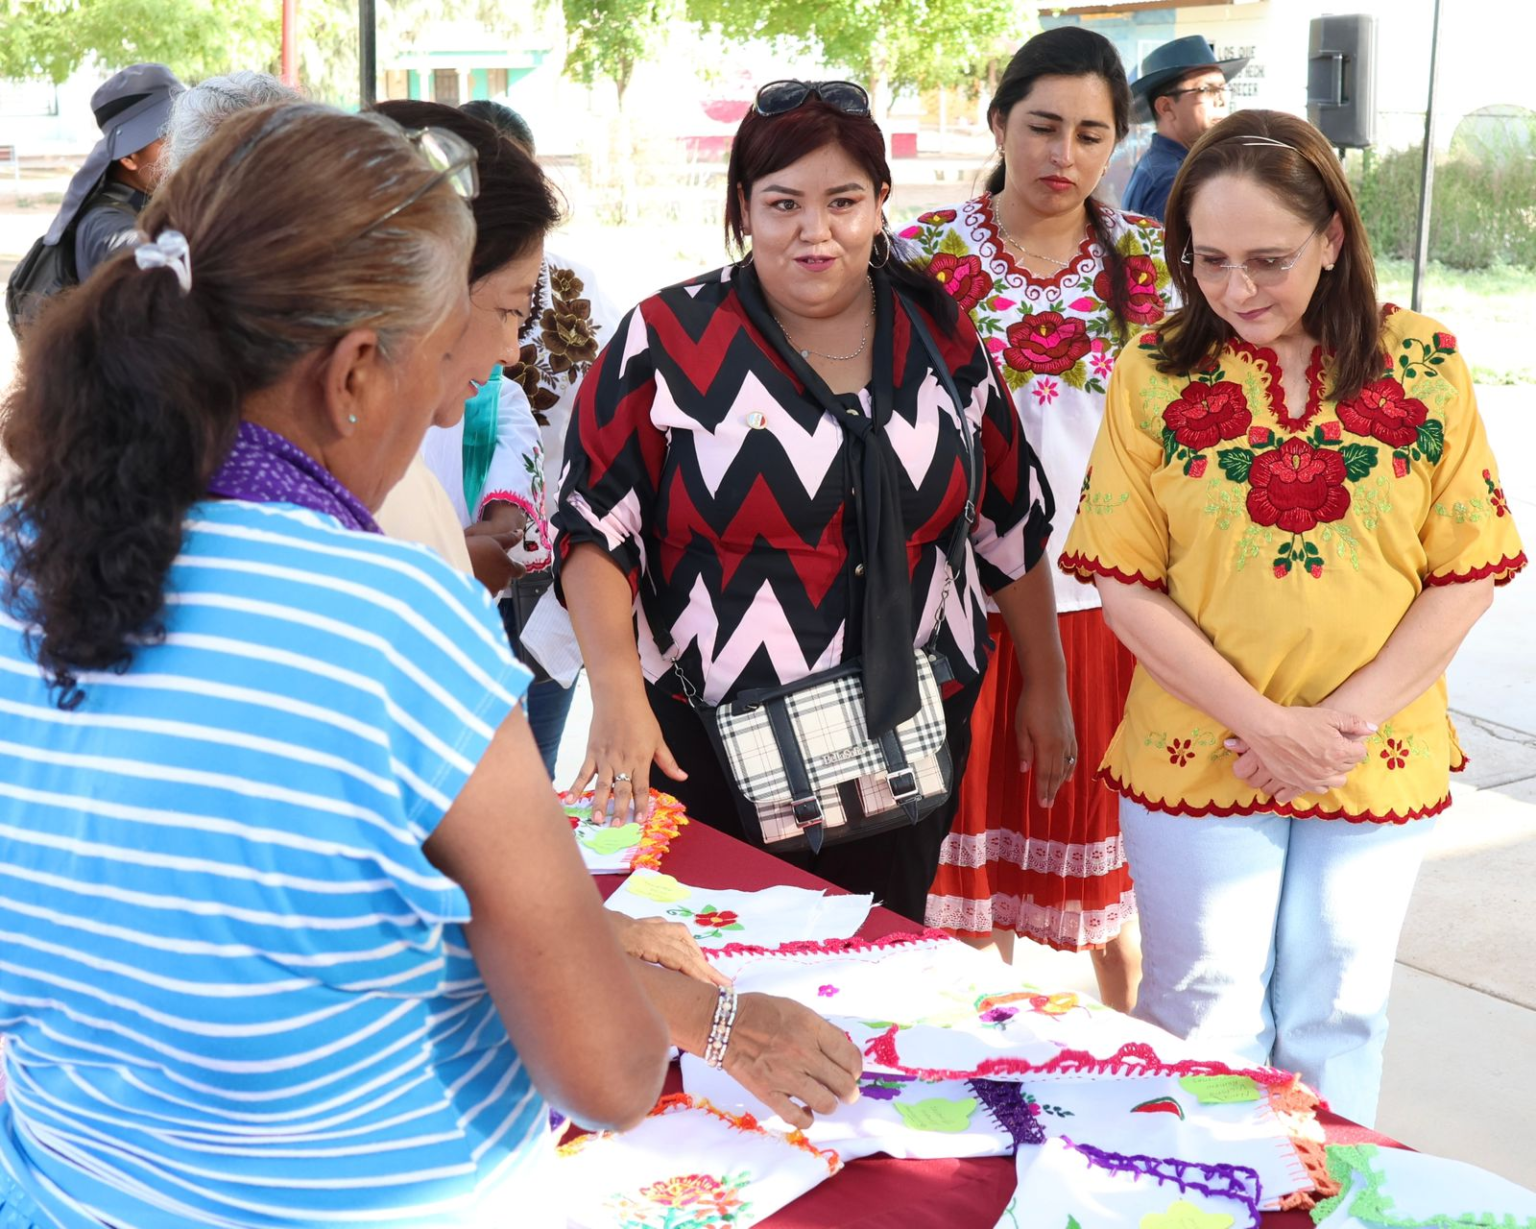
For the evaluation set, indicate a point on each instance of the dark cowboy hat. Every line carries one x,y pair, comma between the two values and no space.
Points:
1171,61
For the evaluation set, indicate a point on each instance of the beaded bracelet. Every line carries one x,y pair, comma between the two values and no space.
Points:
720,1027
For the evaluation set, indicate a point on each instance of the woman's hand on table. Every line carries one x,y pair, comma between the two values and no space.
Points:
1047,741
669,944
622,744
792,1060
1301,751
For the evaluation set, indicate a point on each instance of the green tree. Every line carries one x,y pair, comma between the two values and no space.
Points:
196,38
886,44
607,39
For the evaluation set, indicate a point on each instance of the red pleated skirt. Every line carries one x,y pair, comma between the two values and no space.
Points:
1055,874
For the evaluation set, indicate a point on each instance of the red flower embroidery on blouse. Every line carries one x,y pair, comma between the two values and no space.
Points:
1046,344
1395,753
1445,341
1206,414
1180,751
1297,487
962,276
1384,411
1496,499
1143,305
724,917
935,216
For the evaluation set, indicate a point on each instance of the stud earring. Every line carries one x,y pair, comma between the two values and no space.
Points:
352,418
1327,268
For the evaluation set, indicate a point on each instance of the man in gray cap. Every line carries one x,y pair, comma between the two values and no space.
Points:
1183,87
104,199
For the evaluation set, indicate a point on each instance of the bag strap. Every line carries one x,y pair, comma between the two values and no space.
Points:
955,552
803,801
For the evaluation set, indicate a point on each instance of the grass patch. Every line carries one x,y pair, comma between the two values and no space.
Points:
1489,311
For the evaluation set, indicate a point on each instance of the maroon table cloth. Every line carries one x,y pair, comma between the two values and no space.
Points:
880,1192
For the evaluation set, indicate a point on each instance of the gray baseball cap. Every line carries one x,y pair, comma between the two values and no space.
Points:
133,107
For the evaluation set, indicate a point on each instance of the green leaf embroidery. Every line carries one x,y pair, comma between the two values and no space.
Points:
1431,440
1170,445
1235,463
1075,375
953,244
1359,460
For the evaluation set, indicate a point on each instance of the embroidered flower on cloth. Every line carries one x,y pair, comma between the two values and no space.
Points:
1297,487
1496,499
1395,753
527,373
937,217
1143,304
1046,390
1046,344
712,919
963,277
1184,1215
1385,412
1180,751
826,992
1206,414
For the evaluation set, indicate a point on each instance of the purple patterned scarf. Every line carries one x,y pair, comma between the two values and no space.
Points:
265,468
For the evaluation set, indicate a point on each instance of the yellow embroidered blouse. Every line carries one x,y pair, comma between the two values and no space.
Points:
1297,544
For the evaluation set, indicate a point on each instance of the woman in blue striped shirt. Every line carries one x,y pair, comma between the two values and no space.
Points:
273,948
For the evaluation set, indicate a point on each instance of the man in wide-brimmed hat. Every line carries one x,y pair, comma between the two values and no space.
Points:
106,195
1183,86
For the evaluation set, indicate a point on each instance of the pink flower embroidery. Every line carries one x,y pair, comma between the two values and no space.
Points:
826,992
1102,364
1046,390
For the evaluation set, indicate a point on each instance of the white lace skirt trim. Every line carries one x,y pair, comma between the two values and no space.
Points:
1043,857
1070,928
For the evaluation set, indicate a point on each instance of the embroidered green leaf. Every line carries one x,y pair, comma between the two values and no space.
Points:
1431,440
1075,375
1359,460
1014,378
1072,1223
657,887
938,1114
611,840
734,926
1235,463
1221,1089
953,244
1170,445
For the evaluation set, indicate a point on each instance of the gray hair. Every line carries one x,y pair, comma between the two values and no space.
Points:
198,111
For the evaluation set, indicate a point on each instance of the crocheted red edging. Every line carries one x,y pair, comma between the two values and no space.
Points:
829,947
1082,568
1212,811
1133,1058
1504,571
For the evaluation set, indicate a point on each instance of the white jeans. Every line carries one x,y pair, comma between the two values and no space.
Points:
1274,938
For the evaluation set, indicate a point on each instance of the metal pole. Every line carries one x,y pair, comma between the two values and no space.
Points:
368,53
290,67
1427,178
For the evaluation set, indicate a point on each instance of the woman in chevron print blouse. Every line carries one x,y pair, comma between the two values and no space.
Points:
709,494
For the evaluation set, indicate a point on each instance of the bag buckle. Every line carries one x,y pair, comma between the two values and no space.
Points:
908,784
807,811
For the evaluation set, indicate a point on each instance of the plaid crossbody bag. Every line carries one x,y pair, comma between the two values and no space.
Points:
801,754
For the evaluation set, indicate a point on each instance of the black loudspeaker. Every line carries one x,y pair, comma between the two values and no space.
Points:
1341,79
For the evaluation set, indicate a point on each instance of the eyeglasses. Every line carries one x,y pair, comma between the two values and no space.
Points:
1216,93
447,153
1260,271
782,97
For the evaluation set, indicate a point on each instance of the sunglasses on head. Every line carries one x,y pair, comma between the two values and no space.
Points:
782,97
447,153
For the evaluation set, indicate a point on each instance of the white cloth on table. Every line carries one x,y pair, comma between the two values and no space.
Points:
1061,1186
720,916
898,1116
687,1164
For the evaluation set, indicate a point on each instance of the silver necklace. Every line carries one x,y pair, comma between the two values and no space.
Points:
997,216
806,352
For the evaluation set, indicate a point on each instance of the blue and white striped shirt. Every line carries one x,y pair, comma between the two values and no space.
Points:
234,991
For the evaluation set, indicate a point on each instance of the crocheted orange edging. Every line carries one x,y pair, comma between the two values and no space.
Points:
681,1101
657,830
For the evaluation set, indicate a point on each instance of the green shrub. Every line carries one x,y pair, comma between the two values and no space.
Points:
1483,214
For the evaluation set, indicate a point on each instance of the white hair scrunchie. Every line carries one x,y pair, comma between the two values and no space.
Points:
169,251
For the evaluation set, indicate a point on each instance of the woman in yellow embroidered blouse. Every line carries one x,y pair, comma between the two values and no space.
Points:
1294,518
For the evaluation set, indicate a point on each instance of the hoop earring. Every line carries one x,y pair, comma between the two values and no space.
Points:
889,248
747,259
